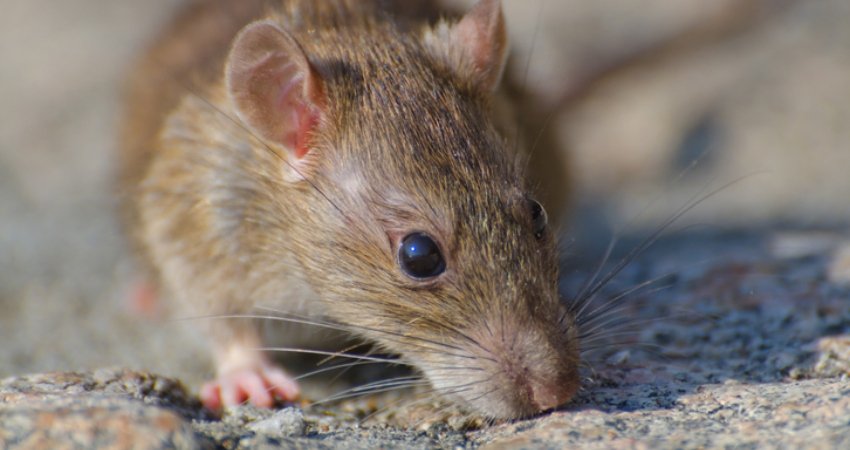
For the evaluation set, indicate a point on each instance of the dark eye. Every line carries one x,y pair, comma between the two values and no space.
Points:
420,257
538,219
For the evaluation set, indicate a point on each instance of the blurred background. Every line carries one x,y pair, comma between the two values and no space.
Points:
655,101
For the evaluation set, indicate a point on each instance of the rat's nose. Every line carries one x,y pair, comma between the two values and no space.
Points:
548,394
544,378
526,369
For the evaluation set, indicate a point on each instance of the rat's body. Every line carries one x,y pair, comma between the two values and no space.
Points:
309,168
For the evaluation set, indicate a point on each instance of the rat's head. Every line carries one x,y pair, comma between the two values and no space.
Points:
418,228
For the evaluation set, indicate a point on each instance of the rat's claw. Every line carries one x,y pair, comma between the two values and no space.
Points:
260,386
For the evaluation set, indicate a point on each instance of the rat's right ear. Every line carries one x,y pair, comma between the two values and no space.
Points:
276,92
476,46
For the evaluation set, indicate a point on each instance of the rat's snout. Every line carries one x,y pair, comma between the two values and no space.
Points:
517,369
539,373
552,392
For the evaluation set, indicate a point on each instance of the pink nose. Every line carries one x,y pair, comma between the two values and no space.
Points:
554,393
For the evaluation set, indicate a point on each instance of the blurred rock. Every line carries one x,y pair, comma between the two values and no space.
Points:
100,410
839,269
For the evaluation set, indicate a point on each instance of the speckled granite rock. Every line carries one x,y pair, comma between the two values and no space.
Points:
759,358
94,422
122,409
806,414
108,409
68,411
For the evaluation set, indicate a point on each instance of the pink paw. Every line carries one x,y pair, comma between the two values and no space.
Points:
261,386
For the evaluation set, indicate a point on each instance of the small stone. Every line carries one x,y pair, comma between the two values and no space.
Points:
619,358
839,268
784,361
284,423
798,244
244,414
797,373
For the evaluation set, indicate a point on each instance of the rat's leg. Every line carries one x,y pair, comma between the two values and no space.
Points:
244,373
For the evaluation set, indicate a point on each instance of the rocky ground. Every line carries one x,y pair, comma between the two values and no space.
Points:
741,343
744,346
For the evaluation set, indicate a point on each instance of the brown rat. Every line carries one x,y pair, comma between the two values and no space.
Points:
344,160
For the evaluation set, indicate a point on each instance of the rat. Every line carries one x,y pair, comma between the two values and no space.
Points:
349,160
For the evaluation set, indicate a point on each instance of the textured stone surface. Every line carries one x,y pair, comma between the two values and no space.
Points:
731,415
759,357
93,422
107,409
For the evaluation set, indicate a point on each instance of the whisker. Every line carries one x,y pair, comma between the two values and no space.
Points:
384,383
661,319
349,328
318,371
345,370
327,353
482,395
610,310
295,320
430,396
335,367
618,345
434,394
579,305
384,386
457,332
593,337
590,315
448,406
606,338
655,235
333,326
363,391
653,350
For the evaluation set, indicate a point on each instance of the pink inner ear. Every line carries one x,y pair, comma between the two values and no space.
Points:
303,117
306,126
274,88
307,121
482,34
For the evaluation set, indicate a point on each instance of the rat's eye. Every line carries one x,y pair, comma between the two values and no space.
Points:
420,257
538,218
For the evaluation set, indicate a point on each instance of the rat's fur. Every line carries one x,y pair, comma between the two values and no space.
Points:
407,141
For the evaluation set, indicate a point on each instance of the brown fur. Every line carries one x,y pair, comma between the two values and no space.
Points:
408,141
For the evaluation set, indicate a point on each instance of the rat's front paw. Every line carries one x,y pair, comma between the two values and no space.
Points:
260,386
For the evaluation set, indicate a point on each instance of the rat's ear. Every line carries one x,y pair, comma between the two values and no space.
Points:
276,92
477,44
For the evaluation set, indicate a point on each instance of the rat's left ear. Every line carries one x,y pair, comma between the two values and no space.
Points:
476,46
274,88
